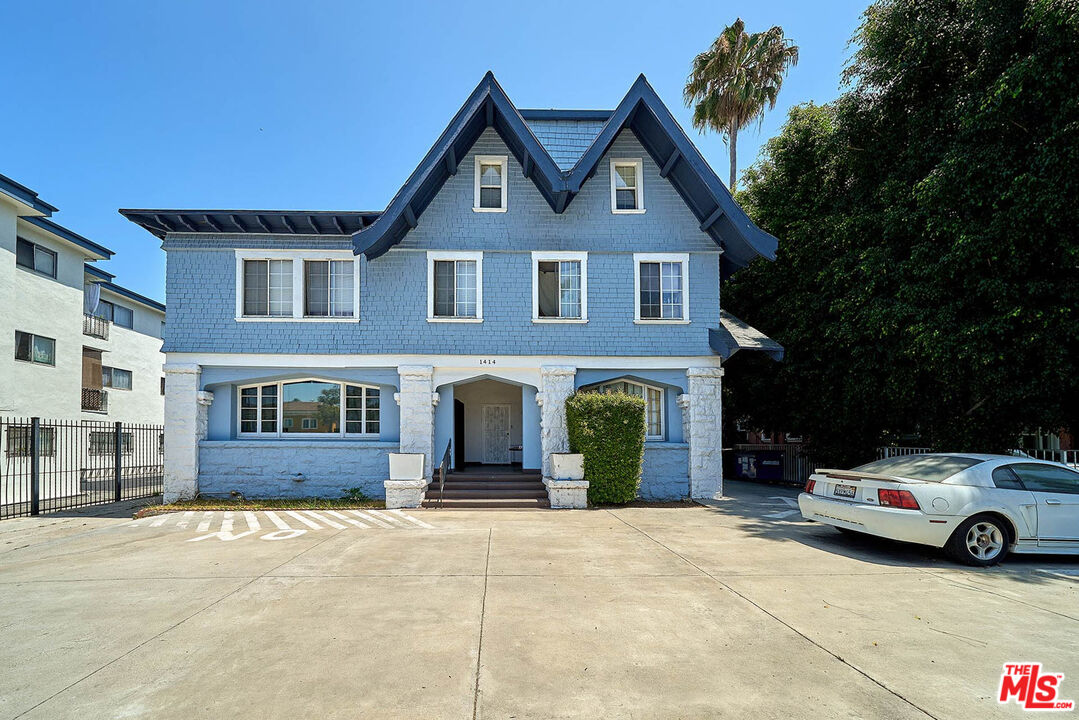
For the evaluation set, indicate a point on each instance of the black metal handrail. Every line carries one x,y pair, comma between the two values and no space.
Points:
95,326
442,472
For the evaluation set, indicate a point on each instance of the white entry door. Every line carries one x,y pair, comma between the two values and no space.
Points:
496,434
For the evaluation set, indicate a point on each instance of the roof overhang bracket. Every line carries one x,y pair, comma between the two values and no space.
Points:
236,221
451,161
337,224
163,223
188,224
669,165
490,112
526,166
711,219
263,224
213,223
410,217
289,225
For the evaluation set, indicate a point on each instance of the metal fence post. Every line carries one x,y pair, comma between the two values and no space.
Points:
35,466
117,454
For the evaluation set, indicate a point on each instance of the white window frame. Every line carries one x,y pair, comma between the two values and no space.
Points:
434,255
594,387
502,160
537,258
639,258
639,163
298,292
279,430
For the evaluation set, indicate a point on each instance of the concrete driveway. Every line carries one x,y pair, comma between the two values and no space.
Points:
735,610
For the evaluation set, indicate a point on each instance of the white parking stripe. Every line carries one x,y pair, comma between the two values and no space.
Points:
353,521
411,519
305,521
226,523
368,518
385,517
252,521
161,520
281,524
326,520
207,517
185,520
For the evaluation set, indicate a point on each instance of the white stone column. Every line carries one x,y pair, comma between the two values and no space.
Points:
705,431
417,400
556,385
186,410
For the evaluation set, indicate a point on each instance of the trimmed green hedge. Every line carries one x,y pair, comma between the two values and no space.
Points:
608,429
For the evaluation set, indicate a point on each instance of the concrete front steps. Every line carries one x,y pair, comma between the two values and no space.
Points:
484,489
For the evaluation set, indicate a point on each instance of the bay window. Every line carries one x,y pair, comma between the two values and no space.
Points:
654,415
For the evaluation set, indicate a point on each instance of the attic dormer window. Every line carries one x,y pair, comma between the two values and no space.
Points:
490,193
627,190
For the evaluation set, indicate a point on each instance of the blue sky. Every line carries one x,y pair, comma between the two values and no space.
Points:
330,105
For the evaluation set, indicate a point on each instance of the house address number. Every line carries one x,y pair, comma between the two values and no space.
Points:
488,361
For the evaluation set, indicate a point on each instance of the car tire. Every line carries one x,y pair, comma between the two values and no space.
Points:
980,541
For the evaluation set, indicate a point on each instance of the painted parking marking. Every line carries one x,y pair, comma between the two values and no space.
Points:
301,518
252,521
158,522
421,523
281,524
786,503
383,516
320,518
207,518
351,521
371,518
182,523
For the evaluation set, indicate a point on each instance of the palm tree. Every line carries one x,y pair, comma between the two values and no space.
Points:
734,80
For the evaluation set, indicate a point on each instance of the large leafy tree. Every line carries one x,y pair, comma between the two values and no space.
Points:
734,80
927,280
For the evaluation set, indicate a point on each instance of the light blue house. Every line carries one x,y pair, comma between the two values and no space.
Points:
531,254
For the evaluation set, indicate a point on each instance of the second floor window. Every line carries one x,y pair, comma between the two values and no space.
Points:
662,287
559,286
328,288
268,288
627,191
455,286
35,348
115,378
490,183
35,257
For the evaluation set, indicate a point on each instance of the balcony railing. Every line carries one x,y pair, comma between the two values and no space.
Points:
94,400
94,326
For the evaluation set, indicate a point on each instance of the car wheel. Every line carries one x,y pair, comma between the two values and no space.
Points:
980,541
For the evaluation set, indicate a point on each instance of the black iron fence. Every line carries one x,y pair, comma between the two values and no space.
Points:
51,465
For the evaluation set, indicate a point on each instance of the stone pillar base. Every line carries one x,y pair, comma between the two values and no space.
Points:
567,494
404,493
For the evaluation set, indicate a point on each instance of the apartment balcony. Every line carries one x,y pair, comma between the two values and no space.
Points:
94,326
94,400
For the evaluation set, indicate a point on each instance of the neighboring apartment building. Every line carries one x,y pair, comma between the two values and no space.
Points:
73,343
532,254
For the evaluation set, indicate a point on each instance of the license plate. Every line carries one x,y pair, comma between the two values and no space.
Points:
847,491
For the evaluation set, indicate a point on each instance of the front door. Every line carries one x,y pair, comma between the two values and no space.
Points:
496,434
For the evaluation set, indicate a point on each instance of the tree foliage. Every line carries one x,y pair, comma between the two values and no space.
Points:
927,279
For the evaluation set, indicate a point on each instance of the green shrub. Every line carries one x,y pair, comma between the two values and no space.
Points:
608,429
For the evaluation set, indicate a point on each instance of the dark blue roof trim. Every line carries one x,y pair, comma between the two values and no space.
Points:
734,335
25,195
72,237
258,222
120,290
641,110
556,114
98,272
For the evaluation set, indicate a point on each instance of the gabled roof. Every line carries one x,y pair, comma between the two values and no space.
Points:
260,222
105,281
99,252
25,195
641,111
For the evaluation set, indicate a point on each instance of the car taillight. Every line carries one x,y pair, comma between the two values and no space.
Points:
897,499
810,484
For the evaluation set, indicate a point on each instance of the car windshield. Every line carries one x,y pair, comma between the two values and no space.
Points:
931,468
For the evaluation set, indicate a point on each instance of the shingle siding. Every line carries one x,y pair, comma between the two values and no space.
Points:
393,305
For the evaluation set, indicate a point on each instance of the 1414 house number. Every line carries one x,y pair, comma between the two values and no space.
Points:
488,361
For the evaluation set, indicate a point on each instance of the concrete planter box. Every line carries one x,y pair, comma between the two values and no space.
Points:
567,487
406,466
406,485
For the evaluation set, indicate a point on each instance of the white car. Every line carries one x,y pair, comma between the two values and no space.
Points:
977,507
